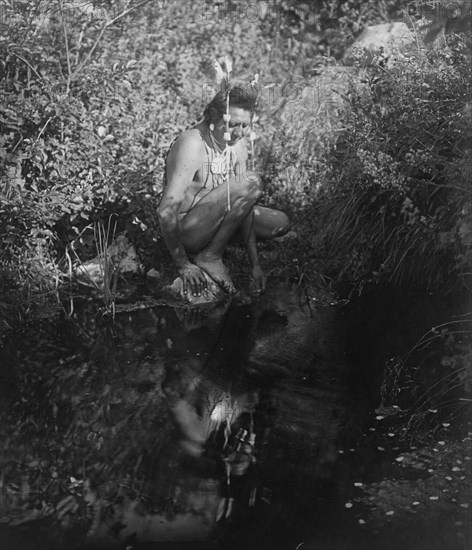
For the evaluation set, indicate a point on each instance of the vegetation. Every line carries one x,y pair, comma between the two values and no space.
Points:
424,422
92,95
390,200
372,163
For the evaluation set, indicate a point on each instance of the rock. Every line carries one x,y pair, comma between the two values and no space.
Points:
153,275
91,272
212,294
121,259
392,38
123,255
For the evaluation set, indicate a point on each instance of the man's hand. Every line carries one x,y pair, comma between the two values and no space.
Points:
258,283
193,278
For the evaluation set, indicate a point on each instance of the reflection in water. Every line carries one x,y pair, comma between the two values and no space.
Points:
253,425
180,425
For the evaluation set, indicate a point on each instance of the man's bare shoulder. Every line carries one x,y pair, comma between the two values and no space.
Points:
189,142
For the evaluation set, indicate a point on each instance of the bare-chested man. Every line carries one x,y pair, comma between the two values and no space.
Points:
195,220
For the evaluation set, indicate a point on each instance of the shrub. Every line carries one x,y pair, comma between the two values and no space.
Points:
91,97
391,201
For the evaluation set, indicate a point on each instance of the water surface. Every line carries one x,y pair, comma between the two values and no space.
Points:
242,427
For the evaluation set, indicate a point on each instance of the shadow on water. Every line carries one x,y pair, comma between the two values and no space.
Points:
234,428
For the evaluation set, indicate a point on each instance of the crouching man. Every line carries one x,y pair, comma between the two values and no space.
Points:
210,196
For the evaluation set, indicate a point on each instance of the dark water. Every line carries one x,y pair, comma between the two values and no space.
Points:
246,427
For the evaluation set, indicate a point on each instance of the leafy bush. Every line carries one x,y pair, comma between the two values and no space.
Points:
91,96
391,201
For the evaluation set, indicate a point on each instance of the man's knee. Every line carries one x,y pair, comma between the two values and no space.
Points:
248,187
283,224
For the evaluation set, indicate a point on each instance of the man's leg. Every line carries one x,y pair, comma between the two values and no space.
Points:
270,223
207,228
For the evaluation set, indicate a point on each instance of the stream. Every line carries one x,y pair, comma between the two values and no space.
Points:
247,426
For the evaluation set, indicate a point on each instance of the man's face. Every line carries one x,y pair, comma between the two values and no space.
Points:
238,125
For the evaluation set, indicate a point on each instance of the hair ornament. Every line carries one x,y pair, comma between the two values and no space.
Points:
219,73
228,66
255,80
253,135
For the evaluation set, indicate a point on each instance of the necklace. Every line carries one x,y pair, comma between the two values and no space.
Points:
225,167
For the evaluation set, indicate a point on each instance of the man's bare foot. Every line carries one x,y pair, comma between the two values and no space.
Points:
216,269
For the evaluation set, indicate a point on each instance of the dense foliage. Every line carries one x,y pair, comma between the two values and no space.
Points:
92,94
380,169
91,97
372,162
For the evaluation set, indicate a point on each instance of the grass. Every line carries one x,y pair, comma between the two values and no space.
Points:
109,271
434,376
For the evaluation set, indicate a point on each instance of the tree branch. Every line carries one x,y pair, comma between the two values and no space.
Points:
64,29
27,63
102,31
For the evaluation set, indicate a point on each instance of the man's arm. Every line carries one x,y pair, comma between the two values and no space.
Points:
182,163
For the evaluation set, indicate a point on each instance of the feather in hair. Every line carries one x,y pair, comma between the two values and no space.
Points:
228,65
219,73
